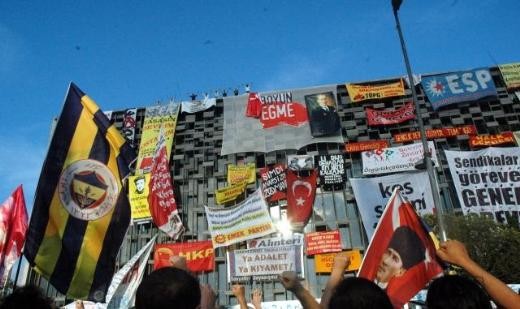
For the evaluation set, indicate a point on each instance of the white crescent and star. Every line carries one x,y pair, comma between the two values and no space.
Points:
300,201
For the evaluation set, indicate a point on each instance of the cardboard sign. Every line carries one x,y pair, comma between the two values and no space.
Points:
322,242
323,262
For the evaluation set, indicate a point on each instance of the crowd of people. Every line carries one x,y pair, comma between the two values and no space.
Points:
176,287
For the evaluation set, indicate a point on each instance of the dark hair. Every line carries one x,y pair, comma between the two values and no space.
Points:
356,292
27,297
454,291
168,288
409,246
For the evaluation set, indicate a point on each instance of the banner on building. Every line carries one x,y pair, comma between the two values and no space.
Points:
358,93
300,162
239,173
322,242
138,190
456,87
195,106
385,117
395,159
129,124
415,187
301,191
364,146
435,133
332,171
416,79
491,140
274,182
249,219
487,181
296,239
511,75
230,193
323,114
401,233
199,255
516,136
154,117
247,134
122,289
323,262
264,263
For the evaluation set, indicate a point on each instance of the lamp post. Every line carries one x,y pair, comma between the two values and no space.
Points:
396,4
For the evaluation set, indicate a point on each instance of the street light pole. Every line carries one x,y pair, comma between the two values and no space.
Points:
427,154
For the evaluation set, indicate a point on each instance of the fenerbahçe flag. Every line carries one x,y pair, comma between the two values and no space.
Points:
81,211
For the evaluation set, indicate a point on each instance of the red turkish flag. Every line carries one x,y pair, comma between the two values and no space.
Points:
401,255
13,227
301,191
161,199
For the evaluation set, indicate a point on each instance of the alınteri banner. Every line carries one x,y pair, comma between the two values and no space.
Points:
415,187
278,108
487,181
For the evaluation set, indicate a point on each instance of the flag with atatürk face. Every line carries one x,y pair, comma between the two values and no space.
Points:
401,255
301,190
81,211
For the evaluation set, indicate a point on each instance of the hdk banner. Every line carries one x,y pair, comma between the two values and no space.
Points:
395,159
456,87
487,181
282,124
401,255
264,263
274,182
155,116
511,75
249,219
332,171
301,191
199,255
415,187
195,106
322,242
358,93
384,117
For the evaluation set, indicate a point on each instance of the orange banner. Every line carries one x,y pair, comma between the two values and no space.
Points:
364,146
359,93
323,262
491,140
199,255
435,133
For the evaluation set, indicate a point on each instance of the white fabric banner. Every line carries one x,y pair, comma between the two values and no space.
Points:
249,219
195,106
395,159
372,194
487,181
244,134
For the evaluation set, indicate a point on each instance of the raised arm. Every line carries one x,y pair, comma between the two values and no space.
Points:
240,294
341,262
454,252
291,282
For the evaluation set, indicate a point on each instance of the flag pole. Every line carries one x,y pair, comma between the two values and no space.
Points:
427,154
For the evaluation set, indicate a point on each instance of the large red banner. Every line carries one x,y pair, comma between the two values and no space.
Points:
435,133
199,255
322,242
382,117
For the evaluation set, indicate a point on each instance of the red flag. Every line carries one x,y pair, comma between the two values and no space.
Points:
401,256
199,255
301,191
13,225
254,106
161,200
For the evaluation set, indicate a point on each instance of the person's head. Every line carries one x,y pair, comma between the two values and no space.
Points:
403,252
27,297
355,292
168,288
324,100
455,291
139,184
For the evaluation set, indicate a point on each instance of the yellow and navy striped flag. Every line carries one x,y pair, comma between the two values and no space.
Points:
81,211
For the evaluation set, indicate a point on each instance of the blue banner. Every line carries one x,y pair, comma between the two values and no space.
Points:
462,86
